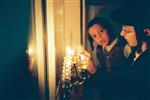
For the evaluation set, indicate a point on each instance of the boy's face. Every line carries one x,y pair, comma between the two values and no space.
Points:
128,32
99,34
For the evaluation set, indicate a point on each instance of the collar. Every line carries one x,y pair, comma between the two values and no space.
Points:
109,47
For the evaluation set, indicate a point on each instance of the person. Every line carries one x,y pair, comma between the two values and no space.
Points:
133,25
139,72
110,54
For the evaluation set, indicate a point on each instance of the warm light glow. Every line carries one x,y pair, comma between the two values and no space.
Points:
71,57
30,51
78,58
82,60
82,57
68,62
69,51
51,55
39,44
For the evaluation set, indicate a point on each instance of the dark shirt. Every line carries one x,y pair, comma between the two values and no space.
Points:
110,61
138,79
107,79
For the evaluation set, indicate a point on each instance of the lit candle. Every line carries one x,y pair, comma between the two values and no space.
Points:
68,60
83,61
82,57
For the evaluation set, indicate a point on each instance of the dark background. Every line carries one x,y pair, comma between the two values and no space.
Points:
15,80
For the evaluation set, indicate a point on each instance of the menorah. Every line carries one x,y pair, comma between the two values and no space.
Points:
74,73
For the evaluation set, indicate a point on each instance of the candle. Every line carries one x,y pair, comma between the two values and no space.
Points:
68,61
82,61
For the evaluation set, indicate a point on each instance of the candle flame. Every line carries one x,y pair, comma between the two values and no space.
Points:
70,52
82,57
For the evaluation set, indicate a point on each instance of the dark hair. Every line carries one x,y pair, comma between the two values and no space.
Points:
103,22
141,36
131,13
